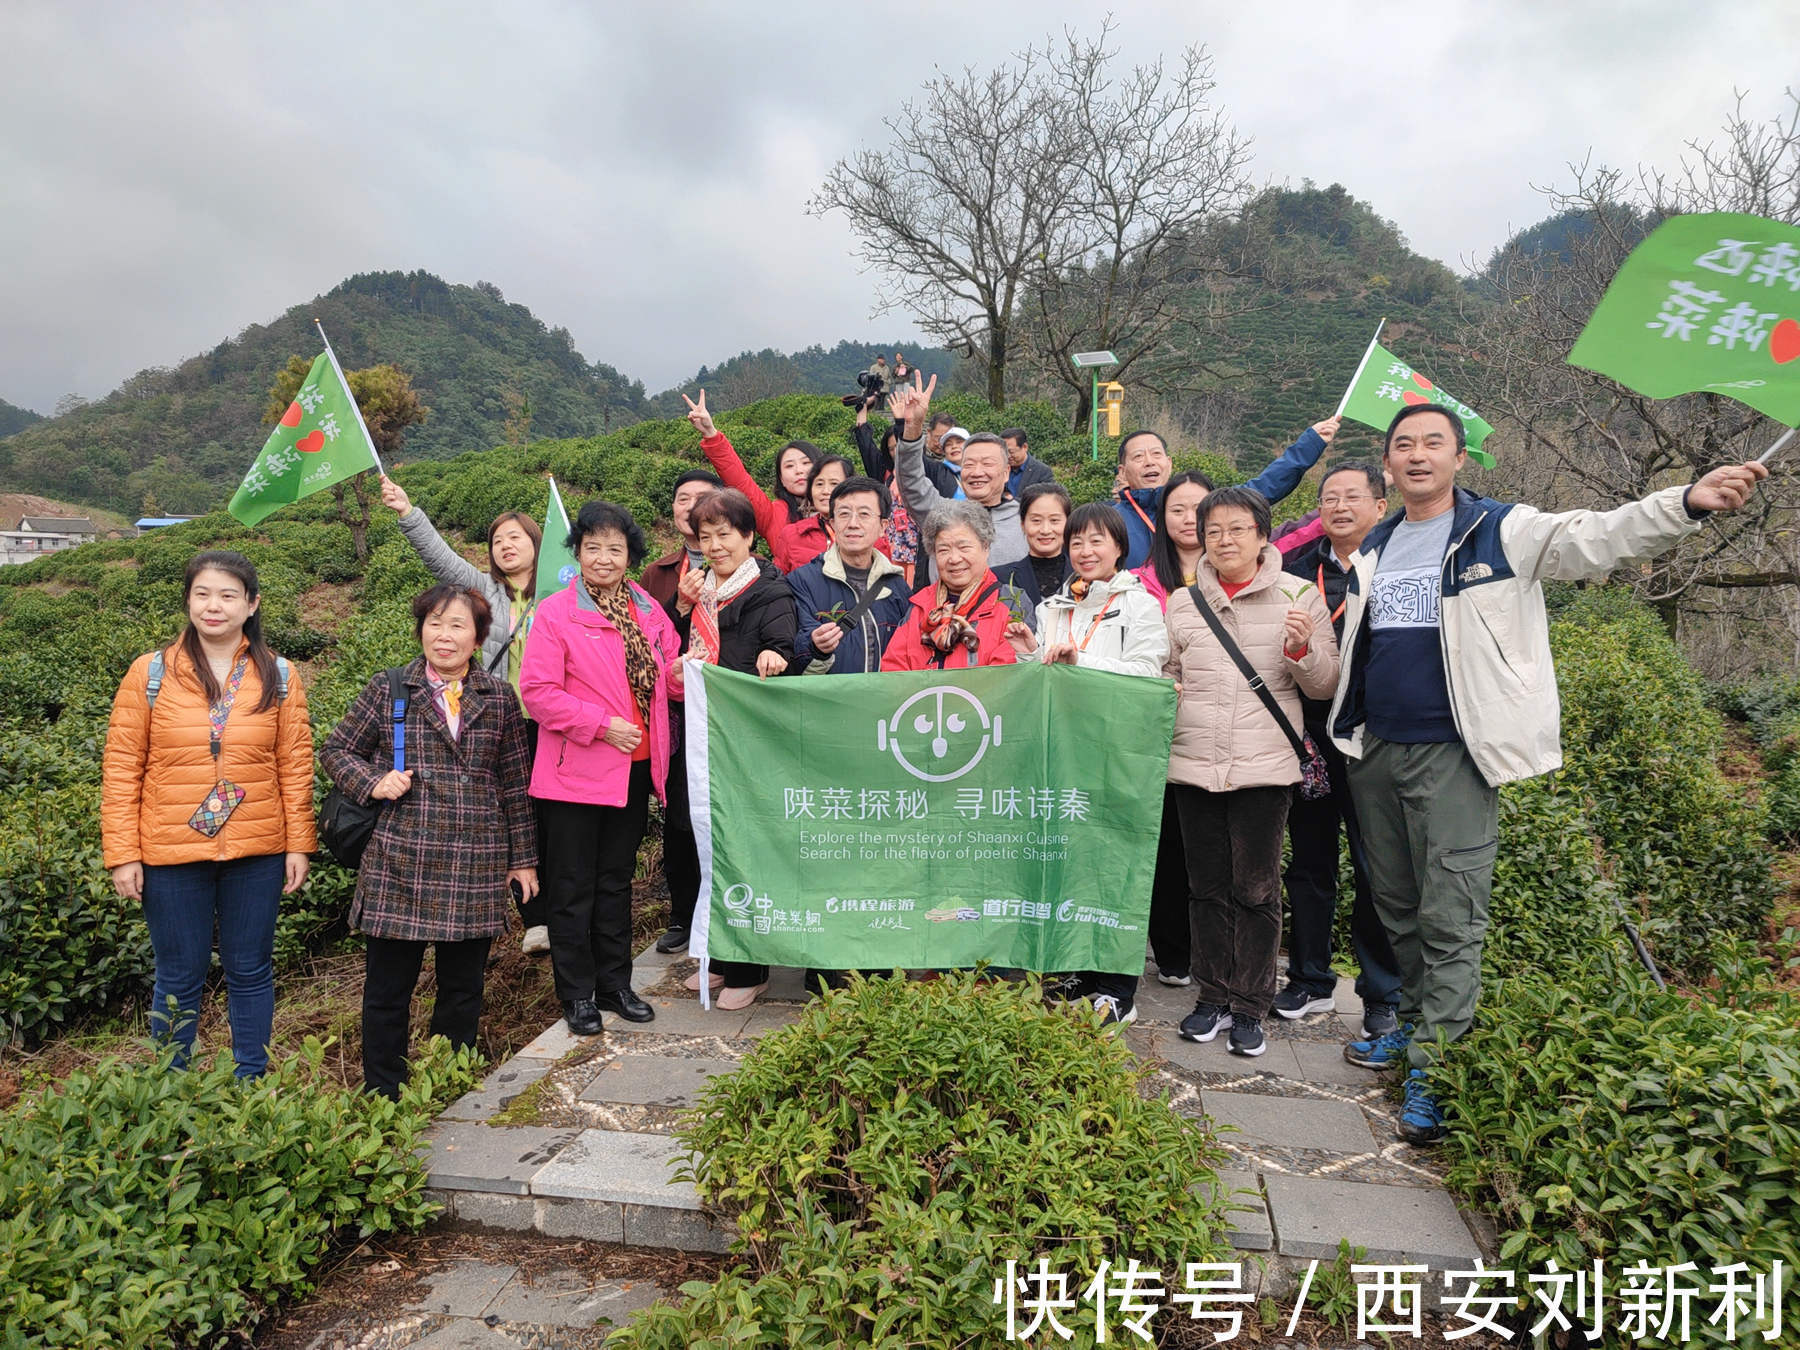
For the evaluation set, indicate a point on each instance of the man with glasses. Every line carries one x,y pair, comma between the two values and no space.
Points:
1352,501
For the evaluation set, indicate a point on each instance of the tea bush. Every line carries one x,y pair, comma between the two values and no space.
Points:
141,1207
885,1157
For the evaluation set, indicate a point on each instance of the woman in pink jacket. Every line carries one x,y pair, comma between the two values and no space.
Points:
596,679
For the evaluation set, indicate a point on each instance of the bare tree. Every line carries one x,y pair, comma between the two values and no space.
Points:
1589,440
969,201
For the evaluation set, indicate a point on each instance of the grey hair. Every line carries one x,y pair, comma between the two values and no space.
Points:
949,514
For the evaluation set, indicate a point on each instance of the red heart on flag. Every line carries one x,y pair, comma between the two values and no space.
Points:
1421,381
1411,399
312,441
291,418
1784,342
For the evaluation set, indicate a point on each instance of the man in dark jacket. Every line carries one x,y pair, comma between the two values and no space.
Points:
1024,467
1352,501
662,578
840,579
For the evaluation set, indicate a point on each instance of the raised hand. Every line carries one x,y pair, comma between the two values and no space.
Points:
1298,628
687,590
910,403
394,497
1328,428
1727,488
699,416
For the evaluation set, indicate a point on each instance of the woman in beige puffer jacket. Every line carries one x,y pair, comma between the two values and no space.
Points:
1231,764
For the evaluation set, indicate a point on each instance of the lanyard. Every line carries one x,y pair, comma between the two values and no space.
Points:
1131,501
1099,619
218,712
1338,612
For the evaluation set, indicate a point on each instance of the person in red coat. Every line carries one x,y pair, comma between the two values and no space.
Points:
960,620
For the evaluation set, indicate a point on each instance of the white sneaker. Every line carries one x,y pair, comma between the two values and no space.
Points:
1179,979
1113,1010
537,939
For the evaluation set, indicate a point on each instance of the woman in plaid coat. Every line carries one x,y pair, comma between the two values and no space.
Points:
455,838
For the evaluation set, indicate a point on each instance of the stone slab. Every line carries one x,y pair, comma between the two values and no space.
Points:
687,1230
498,1089
679,1017
561,1298
464,1288
767,1017
1291,1122
618,1166
514,1213
465,1336
1312,1214
555,1041
1247,1227
1348,1004
654,1080
589,1220
469,1157
1213,1057
1324,1062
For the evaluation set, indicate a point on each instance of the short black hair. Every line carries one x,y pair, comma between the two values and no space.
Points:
942,419
445,593
597,517
1015,434
1100,515
1377,484
727,506
1049,488
861,483
1131,436
706,476
1413,410
1247,498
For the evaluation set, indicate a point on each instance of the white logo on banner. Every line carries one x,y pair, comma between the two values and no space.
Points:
938,736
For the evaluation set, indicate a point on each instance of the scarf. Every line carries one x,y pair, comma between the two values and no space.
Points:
640,662
947,624
714,596
448,694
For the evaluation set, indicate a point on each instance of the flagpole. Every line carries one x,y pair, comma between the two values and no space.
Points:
1769,454
1344,402
368,439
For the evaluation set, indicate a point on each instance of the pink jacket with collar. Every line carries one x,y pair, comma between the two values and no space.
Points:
572,682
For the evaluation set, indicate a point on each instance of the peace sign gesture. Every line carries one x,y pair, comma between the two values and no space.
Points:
700,417
910,402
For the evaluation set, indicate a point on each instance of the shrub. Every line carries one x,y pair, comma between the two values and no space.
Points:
885,1156
143,1207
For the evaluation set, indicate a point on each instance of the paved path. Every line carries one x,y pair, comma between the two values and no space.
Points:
1313,1153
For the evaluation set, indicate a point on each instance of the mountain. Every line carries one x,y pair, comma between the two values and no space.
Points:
750,376
489,371
14,418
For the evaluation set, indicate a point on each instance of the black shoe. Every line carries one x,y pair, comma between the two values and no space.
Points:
627,1004
1206,1021
583,1017
675,940
1246,1036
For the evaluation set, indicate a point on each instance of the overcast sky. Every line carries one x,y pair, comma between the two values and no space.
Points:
170,174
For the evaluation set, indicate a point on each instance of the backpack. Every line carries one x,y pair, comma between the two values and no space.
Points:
158,660
346,826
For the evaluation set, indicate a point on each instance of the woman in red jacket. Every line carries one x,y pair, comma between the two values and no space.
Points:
961,620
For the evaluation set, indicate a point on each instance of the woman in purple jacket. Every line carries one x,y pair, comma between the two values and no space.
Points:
596,679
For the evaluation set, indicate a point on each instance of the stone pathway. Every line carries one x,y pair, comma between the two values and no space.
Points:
1313,1150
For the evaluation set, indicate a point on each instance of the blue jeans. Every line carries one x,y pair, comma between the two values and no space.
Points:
181,904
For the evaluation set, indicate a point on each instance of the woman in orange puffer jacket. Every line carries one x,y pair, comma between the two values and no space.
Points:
206,806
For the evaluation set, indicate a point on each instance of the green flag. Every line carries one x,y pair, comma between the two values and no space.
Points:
1384,384
929,819
320,440
1708,303
556,566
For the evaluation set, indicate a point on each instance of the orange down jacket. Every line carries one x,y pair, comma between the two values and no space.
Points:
158,769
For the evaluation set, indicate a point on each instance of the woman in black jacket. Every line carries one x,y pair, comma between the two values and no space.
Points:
739,614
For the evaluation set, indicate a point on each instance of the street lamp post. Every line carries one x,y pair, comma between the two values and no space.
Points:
1094,362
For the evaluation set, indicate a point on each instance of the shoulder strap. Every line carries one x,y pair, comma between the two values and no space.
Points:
871,596
281,678
154,686
1242,662
397,706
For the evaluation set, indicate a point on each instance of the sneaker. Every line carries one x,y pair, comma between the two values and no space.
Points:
1114,1010
537,939
1206,1021
673,940
1178,979
1297,1001
1247,1036
1381,1052
1421,1119
1379,1019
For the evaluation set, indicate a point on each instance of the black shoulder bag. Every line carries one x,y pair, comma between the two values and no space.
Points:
1315,778
346,826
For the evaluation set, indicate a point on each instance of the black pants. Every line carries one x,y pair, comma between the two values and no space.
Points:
390,974
1169,918
681,857
1312,893
1233,842
531,912
588,867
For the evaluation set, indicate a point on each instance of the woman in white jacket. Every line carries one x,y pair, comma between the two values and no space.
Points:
1101,619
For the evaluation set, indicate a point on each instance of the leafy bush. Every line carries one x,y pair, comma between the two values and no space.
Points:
885,1156
143,1207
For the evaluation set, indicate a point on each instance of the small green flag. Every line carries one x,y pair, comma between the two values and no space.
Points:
1384,384
320,440
1707,303
556,566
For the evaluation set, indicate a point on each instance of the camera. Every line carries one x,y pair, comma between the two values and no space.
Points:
874,389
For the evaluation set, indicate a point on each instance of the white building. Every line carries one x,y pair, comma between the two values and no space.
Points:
38,535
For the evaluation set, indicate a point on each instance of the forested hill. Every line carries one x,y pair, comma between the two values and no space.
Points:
13,418
750,376
488,370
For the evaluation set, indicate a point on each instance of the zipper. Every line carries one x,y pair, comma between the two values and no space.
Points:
1443,641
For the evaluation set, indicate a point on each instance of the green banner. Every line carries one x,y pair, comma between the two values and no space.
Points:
1707,303
320,440
929,819
1384,384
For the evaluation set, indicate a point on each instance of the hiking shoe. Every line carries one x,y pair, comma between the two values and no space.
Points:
1381,1052
1179,979
1421,1119
1379,1019
1114,1010
674,939
1206,1021
1297,1001
1247,1036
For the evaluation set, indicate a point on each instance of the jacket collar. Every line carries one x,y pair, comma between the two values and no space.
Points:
1469,507
1101,595
1268,571
926,596
831,562
586,611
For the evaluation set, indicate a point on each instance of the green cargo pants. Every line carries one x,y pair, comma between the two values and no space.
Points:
1430,827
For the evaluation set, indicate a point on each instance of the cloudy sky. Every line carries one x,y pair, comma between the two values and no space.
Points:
637,172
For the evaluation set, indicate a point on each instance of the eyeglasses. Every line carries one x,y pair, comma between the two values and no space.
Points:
1353,499
1214,534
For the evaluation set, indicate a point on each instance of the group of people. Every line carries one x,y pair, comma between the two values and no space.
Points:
1393,667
